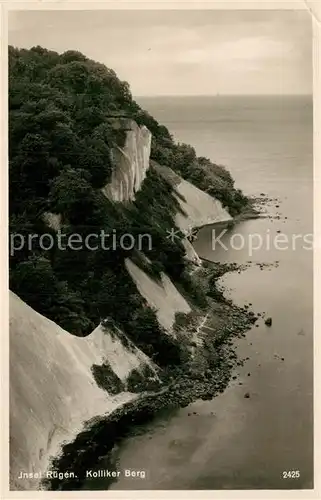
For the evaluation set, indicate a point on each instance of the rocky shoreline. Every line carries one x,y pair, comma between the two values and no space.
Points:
207,374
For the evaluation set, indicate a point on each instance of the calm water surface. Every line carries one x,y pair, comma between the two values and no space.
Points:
233,442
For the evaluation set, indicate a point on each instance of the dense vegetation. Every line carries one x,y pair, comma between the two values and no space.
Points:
65,116
107,379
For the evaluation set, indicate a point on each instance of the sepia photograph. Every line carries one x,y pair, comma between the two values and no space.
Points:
160,249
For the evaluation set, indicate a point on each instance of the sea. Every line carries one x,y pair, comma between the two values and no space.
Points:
264,441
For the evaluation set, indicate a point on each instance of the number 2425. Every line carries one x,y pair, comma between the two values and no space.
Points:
291,474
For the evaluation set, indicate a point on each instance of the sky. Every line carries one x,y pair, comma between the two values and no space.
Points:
180,52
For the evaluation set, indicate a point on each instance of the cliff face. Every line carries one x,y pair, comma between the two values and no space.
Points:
132,163
199,207
52,389
130,167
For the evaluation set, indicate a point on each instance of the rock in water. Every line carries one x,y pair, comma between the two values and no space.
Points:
268,321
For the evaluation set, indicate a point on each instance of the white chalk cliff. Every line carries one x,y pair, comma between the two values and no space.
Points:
200,208
162,296
132,163
52,389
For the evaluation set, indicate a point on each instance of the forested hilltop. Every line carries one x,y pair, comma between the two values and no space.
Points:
64,113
